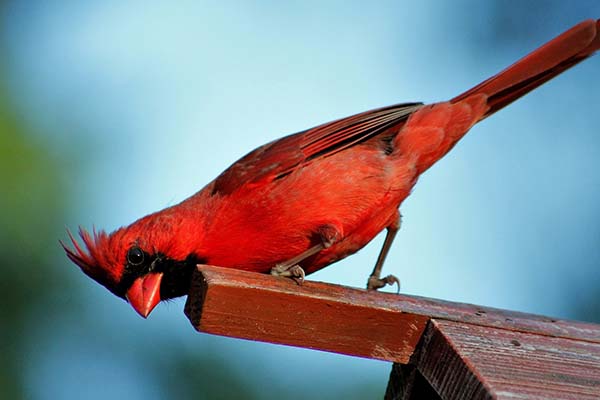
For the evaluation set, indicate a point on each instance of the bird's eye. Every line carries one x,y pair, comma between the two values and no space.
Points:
135,256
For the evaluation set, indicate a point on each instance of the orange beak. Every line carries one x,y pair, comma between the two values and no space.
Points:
144,294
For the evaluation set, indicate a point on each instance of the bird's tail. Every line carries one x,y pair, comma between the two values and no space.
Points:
433,130
539,66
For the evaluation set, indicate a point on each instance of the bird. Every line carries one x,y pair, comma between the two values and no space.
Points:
302,202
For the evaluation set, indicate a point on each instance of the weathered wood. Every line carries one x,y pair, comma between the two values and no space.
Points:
317,316
463,361
334,318
448,350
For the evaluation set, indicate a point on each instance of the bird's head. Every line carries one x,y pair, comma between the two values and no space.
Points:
139,263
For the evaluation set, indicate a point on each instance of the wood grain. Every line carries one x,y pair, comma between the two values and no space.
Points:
453,350
334,318
312,316
463,361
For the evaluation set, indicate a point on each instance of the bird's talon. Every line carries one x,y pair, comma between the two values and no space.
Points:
294,272
297,274
377,283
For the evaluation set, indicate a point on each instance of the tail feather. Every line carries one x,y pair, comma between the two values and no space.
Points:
433,130
541,65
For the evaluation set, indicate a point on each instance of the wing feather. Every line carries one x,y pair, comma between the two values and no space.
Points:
280,157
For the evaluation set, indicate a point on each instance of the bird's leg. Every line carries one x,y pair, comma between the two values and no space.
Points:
375,281
328,235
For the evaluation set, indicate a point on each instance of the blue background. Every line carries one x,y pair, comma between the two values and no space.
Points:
140,104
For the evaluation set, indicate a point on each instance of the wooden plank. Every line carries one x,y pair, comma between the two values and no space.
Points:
456,350
479,362
244,304
318,316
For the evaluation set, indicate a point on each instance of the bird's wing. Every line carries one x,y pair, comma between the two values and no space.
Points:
276,159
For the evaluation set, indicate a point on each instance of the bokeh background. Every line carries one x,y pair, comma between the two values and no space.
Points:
110,110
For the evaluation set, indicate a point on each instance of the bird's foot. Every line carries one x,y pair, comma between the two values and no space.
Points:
294,271
376,282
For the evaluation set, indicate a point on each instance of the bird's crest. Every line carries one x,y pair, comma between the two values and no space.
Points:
99,259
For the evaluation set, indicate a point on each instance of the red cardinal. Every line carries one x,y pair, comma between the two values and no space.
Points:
300,203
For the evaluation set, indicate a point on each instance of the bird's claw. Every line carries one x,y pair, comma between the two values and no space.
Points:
295,272
375,282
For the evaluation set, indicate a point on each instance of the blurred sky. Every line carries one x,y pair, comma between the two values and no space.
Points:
146,102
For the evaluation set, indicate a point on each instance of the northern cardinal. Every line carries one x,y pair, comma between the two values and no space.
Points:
300,203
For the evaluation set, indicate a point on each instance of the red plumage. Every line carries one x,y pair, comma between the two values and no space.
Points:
316,196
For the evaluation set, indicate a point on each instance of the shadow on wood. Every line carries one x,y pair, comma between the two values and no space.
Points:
455,350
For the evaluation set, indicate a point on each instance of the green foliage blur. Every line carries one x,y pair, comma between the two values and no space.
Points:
30,205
